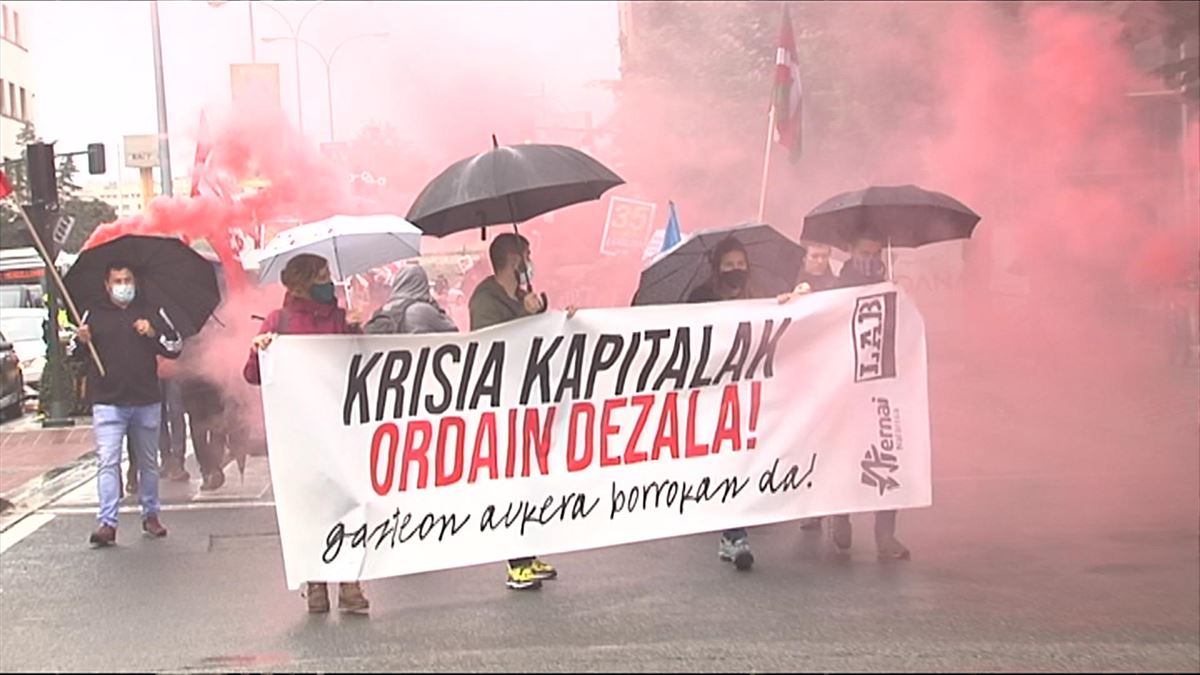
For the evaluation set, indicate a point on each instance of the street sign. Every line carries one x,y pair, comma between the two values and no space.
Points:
627,226
141,151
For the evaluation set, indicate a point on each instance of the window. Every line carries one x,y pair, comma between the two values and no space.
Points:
12,100
24,110
16,26
3,98
5,33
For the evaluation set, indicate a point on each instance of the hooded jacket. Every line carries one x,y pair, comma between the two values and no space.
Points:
298,316
410,308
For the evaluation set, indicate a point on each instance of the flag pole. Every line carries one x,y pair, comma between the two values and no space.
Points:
762,195
62,287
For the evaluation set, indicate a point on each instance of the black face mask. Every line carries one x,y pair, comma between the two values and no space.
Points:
734,279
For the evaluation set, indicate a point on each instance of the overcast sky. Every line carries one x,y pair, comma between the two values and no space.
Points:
94,68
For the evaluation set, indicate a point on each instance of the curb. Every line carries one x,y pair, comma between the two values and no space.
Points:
49,488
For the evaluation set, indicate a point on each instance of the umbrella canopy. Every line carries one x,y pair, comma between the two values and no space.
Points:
168,272
905,215
775,261
508,184
351,244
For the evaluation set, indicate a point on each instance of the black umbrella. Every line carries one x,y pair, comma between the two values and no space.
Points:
168,272
905,216
508,184
775,262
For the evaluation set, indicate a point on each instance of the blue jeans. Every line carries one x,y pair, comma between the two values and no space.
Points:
111,423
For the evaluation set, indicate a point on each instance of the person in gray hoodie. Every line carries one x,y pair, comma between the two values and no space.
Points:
410,308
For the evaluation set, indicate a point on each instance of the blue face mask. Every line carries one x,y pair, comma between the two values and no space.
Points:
123,294
323,293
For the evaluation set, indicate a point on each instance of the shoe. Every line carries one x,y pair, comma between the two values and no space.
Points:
809,524
213,481
105,535
891,549
736,551
522,578
179,475
152,527
318,597
351,598
543,570
841,532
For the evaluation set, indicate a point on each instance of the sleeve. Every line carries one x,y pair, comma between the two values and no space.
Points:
484,313
168,342
250,370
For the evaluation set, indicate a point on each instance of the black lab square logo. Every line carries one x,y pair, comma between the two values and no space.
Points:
873,327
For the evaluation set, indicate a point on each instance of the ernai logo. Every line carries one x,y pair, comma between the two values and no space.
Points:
873,327
881,461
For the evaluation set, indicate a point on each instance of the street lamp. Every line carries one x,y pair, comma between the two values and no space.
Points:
295,52
328,63
250,13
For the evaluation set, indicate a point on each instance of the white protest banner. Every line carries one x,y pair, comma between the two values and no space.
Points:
400,454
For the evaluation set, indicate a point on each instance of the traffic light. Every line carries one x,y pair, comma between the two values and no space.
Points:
39,162
96,158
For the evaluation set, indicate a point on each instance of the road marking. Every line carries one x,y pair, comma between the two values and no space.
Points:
25,527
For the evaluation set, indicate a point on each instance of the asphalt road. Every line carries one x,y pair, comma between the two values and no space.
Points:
1064,537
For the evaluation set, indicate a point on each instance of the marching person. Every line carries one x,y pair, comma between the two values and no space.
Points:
410,308
129,334
207,417
504,296
172,436
309,308
864,267
729,279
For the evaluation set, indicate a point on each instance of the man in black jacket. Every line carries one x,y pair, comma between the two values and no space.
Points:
129,334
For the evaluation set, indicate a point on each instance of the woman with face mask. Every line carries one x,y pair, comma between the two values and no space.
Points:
309,308
729,280
730,277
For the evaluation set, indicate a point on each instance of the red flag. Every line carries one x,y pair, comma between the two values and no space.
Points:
787,97
6,187
203,147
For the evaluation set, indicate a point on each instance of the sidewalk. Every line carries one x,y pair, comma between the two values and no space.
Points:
28,451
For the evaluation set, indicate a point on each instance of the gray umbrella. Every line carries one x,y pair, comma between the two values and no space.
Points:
508,184
775,262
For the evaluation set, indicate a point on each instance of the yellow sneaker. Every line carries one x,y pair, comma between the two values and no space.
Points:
543,570
522,578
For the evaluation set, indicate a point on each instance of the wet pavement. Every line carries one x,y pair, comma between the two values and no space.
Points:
1063,537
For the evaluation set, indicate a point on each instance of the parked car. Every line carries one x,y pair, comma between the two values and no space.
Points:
12,382
24,328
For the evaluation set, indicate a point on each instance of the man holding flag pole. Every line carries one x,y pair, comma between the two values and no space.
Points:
784,125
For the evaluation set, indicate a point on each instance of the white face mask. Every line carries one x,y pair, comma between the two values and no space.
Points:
123,294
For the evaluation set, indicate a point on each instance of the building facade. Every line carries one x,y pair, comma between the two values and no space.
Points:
16,76
126,196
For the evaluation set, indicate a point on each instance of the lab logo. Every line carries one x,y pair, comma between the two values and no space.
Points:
873,328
